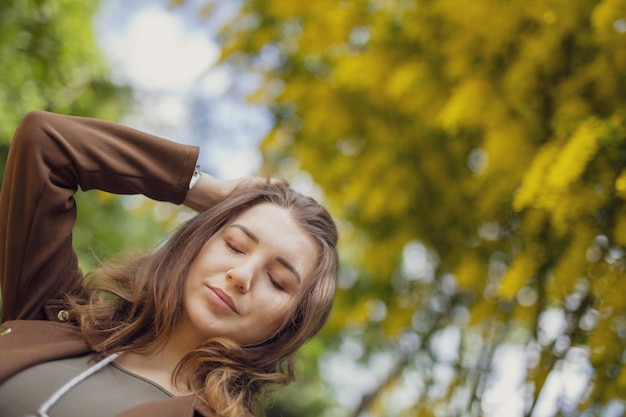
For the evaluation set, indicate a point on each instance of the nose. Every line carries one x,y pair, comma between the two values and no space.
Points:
241,276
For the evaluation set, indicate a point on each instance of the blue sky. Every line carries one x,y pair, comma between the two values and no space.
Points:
169,57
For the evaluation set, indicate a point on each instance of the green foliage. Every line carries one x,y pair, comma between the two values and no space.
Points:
493,133
51,62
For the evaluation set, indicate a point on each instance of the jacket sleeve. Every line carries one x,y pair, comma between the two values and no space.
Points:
50,157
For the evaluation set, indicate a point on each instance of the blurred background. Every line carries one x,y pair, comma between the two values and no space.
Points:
473,153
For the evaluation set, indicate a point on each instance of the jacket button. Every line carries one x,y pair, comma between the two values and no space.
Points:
4,331
63,315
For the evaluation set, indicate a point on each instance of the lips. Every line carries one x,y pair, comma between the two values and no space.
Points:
225,298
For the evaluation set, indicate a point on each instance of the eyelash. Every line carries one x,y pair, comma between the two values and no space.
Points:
233,248
272,280
275,283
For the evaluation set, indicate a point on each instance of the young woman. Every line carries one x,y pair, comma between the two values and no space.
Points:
200,326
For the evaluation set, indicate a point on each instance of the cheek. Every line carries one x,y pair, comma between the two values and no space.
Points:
280,310
276,306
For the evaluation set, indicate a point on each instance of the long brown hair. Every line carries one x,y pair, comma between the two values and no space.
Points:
135,306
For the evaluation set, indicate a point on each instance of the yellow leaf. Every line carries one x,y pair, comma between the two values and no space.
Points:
532,193
519,273
465,106
574,156
620,185
572,263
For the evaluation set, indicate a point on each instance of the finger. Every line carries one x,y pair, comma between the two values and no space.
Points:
276,181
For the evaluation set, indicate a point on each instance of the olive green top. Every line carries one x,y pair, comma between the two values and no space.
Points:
107,393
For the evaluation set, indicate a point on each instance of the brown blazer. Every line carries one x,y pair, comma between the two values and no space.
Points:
50,157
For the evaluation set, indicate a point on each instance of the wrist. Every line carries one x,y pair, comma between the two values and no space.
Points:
204,192
196,177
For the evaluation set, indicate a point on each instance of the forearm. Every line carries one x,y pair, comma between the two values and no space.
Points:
95,154
50,157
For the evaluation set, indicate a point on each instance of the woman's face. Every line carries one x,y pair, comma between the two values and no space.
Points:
247,278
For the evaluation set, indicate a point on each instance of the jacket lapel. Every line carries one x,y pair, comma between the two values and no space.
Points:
25,343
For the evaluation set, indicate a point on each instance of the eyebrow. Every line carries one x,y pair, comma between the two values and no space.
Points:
289,266
279,259
247,231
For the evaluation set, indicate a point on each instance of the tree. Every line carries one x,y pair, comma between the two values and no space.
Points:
475,153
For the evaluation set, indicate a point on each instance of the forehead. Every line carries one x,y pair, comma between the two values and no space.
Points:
270,221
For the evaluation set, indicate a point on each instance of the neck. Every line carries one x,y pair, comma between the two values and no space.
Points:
159,366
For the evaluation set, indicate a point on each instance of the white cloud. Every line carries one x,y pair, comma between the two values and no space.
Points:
216,82
156,51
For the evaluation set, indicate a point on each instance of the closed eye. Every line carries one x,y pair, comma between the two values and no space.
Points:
275,283
233,248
